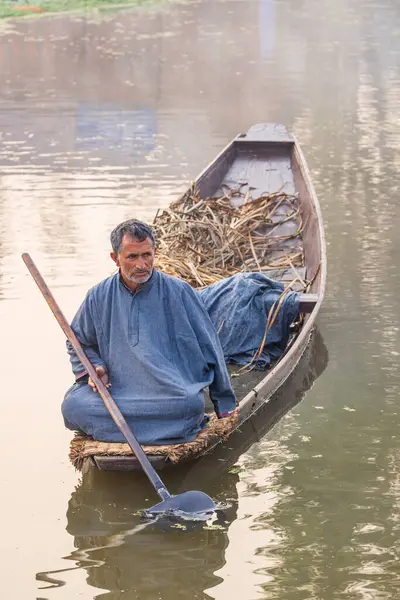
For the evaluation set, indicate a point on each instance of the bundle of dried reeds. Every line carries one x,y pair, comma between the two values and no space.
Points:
202,241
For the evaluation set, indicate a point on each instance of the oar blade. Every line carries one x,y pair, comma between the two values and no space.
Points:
189,505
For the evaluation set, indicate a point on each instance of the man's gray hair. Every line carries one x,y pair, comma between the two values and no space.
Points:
134,229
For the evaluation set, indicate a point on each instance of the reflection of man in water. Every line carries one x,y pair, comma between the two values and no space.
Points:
151,339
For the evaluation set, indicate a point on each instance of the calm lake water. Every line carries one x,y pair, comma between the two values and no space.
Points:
101,120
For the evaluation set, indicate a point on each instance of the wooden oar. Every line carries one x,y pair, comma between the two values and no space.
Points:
192,503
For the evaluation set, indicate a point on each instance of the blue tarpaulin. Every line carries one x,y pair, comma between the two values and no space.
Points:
239,308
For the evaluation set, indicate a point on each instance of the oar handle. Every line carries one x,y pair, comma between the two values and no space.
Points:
113,409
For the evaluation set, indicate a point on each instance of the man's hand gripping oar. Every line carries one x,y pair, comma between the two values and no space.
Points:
102,374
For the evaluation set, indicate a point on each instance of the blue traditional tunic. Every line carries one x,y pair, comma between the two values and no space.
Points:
160,349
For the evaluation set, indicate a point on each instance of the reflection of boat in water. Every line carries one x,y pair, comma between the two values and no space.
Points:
258,163
130,558
120,552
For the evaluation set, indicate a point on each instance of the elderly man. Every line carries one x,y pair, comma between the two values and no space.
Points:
150,339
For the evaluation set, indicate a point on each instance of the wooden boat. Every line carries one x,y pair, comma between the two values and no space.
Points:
265,159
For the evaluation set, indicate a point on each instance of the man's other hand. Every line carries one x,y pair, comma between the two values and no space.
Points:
103,375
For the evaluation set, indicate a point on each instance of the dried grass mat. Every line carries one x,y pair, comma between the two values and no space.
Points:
83,447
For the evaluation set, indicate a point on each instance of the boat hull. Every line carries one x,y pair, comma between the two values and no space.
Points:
267,159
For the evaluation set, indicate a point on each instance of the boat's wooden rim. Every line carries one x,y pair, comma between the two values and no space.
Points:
277,134
287,363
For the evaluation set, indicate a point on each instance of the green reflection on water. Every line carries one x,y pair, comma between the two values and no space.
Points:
10,9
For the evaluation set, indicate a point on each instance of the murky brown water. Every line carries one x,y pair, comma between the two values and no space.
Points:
104,120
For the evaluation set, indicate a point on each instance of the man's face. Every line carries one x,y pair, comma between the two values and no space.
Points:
135,259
